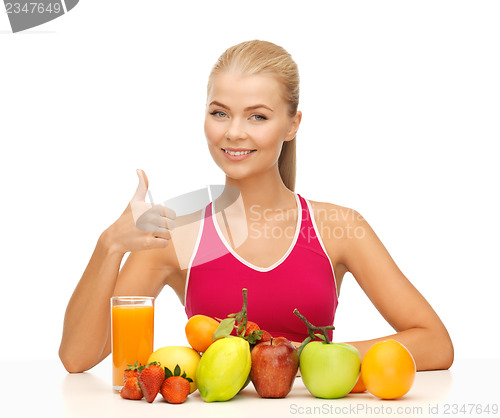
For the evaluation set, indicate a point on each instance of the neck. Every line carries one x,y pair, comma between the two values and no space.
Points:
266,190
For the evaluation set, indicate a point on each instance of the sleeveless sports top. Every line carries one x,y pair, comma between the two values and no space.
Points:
303,278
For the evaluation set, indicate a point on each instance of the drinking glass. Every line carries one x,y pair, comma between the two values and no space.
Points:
132,331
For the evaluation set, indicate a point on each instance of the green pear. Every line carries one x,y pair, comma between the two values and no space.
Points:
223,369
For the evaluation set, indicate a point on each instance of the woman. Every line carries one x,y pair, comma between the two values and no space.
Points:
287,251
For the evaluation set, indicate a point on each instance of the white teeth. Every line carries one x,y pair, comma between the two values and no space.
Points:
237,152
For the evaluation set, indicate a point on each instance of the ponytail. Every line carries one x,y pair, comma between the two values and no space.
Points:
287,163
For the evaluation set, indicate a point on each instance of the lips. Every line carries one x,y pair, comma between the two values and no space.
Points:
237,154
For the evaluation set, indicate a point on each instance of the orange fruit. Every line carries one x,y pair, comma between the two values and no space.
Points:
388,369
199,330
359,386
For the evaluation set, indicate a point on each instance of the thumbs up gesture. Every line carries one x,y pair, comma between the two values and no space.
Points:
142,225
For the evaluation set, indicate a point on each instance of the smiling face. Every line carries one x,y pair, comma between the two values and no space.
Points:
246,122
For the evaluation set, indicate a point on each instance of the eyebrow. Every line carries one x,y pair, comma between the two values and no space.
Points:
246,108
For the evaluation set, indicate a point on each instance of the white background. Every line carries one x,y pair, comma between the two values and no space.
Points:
400,105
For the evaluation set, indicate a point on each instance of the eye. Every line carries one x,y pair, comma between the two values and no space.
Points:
259,117
218,113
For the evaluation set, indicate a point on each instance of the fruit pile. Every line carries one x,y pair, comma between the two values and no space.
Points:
229,362
332,370
228,353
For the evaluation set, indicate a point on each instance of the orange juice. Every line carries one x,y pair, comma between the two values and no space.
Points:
132,337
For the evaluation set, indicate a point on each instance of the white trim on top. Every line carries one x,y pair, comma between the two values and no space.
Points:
195,250
277,263
311,212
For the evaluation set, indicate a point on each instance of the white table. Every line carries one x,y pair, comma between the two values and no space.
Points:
466,387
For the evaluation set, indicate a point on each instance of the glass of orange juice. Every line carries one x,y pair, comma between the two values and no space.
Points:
132,330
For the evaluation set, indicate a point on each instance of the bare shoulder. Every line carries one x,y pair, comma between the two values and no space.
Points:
332,215
337,226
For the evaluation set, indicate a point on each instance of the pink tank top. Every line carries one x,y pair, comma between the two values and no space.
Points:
303,278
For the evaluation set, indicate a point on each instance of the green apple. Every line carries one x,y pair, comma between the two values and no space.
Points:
329,370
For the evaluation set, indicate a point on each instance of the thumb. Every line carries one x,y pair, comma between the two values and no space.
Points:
142,188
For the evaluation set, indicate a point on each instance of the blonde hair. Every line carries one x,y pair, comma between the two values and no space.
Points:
262,57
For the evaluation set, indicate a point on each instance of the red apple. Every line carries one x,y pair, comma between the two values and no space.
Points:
274,367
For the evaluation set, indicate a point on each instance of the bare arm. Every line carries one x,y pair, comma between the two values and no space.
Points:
417,325
86,331
86,322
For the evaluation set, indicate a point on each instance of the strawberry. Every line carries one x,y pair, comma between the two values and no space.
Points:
133,370
150,380
175,389
252,333
251,326
131,389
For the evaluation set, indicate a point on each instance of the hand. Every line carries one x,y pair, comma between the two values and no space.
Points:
141,226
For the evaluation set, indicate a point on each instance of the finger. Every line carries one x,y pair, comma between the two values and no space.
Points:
142,188
152,242
163,211
170,223
162,233
168,212
165,223
165,216
160,243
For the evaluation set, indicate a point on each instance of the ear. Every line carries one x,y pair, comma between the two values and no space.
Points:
294,126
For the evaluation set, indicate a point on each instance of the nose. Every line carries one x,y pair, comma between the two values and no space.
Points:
236,130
